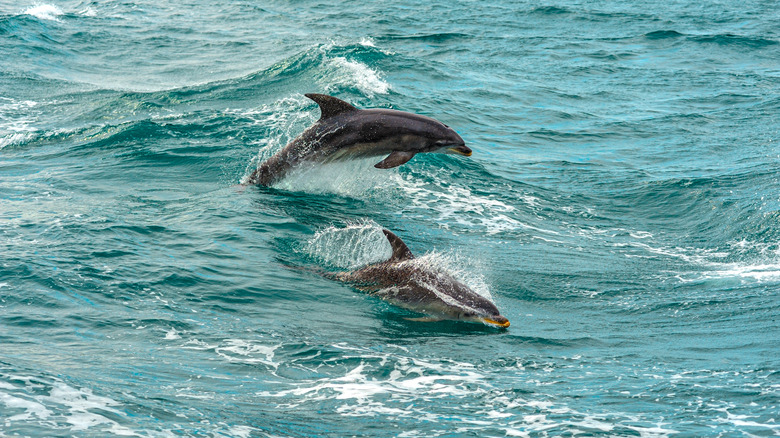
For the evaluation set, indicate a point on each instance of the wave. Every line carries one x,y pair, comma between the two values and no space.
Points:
322,68
728,39
17,118
438,37
34,399
663,34
724,39
330,68
550,10
44,12
395,383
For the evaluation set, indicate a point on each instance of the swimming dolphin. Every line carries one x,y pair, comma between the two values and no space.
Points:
345,132
402,280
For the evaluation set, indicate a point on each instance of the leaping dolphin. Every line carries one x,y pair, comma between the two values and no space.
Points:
402,280
345,132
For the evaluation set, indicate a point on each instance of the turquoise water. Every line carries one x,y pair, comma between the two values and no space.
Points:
621,208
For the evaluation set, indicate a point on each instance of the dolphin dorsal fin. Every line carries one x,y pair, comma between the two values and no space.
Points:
400,250
329,105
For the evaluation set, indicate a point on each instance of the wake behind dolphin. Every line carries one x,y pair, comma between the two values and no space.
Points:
345,132
403,281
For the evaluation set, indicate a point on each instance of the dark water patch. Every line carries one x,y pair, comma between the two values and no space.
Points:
441,37
604,55
550,11
691,198
32,320
397,325
663,35
118,137
310,209
590,135
28,28
732,40
111,253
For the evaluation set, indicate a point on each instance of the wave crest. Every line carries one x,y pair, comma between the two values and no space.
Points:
44,12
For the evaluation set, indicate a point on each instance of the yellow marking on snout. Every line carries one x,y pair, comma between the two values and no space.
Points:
500,324
458,151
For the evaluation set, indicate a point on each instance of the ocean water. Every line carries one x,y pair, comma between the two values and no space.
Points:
621,208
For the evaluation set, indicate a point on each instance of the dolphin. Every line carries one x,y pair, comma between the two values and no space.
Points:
345,132
403,281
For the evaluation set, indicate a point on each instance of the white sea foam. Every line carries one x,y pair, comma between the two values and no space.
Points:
15,138
455,204
354,73
43,399
88,12
31,408
44,12
362,393
172,334
241,431
16,121
399,385
758,272
711,262
747,421
249,352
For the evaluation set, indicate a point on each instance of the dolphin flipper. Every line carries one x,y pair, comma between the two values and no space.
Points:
395,159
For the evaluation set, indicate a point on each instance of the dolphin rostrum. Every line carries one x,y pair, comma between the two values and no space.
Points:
404,281
345,132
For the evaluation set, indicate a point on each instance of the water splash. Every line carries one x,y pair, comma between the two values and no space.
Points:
354,73
44,12
358,244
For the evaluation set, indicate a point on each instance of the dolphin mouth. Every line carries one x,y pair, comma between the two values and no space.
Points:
503,323
460,150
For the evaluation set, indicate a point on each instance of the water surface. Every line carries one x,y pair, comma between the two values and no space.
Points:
621,209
